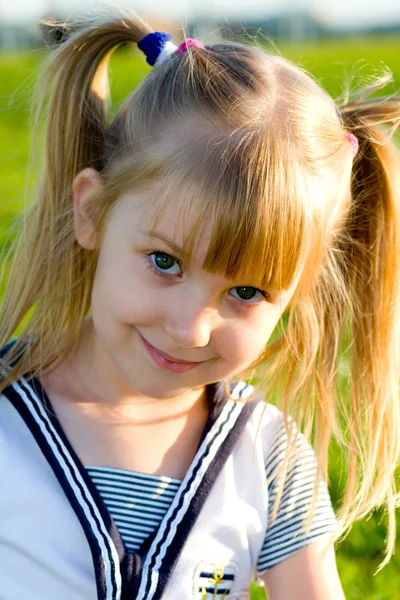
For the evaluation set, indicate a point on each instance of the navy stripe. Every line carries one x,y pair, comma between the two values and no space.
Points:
184,527
287,533
25,411
303,499
182,491
139,497
116,508
194,474
278,556
227,577
136,515
134,489
150,480
298,525
211,590
127,520
136,497
89,501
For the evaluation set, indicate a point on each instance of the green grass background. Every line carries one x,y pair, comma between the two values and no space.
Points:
333,63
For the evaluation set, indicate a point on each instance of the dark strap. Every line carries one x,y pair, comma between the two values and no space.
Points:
186,524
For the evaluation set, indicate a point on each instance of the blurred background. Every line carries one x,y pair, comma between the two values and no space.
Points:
342,43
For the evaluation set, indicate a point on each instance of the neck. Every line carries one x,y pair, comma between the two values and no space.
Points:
90,378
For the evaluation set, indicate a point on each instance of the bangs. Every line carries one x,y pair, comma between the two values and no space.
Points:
251,190
259,217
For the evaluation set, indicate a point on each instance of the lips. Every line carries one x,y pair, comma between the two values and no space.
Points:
166,361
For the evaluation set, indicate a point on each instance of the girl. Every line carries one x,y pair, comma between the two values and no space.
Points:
164,248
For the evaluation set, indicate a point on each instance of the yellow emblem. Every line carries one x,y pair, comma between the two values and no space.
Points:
213,581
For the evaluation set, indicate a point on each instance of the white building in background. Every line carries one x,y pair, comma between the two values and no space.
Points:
15,37
210,20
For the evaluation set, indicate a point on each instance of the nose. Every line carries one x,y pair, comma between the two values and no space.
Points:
190,324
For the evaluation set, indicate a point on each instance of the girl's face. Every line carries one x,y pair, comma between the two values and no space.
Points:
168,325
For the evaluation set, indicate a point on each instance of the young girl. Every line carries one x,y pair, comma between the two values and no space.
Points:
164,248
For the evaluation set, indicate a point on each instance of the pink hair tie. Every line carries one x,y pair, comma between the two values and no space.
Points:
189,43
353,141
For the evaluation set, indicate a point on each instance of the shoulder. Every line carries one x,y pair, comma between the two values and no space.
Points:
7,347
284,447
13,430
267,422
276,430
10,390
3,352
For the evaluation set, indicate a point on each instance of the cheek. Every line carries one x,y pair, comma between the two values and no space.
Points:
242,342
120,293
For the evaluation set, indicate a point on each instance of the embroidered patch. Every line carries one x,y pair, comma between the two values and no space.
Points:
213,580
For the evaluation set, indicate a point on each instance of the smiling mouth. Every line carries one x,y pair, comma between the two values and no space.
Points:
166,361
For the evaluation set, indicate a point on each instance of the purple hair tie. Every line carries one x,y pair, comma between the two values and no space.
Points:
189,43
354,142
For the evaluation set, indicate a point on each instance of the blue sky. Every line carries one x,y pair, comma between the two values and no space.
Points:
336,12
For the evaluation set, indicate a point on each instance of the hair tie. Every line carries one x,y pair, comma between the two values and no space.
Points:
157,47
353,141
189,43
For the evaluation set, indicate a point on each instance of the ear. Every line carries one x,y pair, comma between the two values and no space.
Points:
85,189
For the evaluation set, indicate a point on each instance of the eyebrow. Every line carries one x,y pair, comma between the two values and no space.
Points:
151,234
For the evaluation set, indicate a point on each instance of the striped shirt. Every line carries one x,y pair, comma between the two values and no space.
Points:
138,502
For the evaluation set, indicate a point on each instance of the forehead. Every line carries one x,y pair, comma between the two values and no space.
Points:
157,213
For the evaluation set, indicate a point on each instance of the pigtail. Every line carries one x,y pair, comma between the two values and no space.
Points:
57,274
370,252
354,307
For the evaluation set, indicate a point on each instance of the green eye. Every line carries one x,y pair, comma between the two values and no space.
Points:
248,294
165,263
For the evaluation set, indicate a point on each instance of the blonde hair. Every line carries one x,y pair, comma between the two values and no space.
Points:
265,149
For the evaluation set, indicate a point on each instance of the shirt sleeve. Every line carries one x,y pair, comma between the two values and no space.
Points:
286,534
